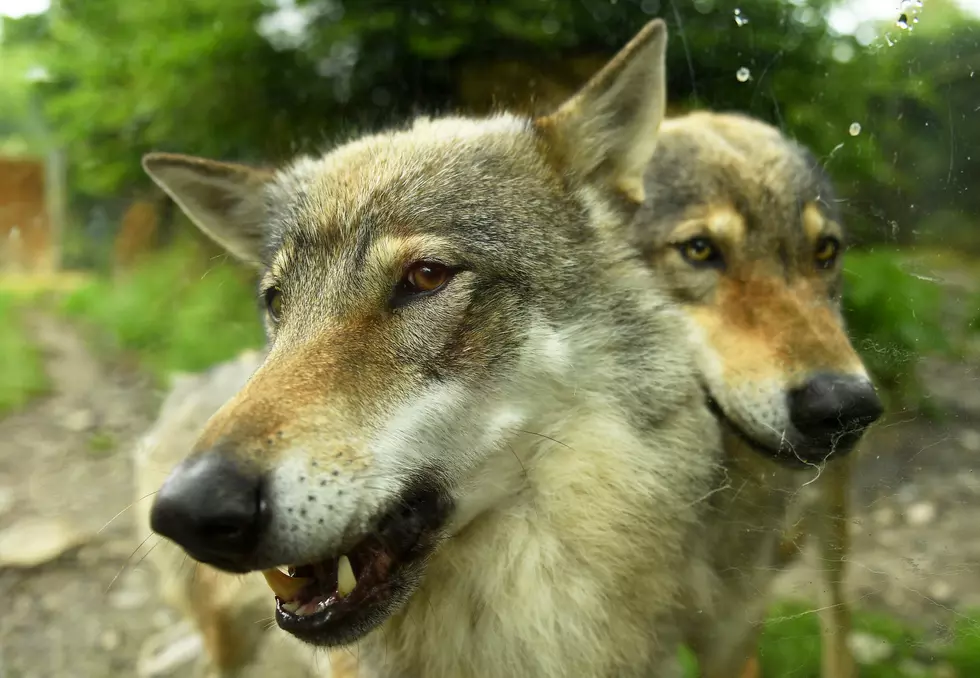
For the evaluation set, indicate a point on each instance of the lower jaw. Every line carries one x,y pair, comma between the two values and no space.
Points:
798,457
332,626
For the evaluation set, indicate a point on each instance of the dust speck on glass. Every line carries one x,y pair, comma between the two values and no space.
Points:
841,238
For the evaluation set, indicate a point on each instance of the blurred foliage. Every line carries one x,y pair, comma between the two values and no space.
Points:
790,646
888,111
893,317
260,80
22,374
178,311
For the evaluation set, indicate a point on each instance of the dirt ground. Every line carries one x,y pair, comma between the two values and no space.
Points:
76,605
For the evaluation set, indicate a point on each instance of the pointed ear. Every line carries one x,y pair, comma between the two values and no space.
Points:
607,132
224,200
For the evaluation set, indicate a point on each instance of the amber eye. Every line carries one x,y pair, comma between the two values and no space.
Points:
828,248
421,278
273,303
700,252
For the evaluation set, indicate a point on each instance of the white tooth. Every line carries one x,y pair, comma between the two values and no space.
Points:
291,607
346,581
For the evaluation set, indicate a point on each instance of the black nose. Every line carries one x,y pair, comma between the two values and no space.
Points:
834,409
212,507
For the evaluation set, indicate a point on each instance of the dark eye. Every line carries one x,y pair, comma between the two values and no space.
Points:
273,303
828,249
421,278
700,252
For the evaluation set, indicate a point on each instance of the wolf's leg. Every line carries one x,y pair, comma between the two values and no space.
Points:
225,648
751,668
834,544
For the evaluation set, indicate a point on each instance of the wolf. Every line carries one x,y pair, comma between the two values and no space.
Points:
478,445
742,225
228,614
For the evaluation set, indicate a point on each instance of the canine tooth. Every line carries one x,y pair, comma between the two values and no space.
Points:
346,581
292,607
285,587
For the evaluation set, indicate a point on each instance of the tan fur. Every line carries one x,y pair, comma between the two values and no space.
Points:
579,543
764,324
576,446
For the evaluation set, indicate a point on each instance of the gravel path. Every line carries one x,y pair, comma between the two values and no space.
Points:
76,605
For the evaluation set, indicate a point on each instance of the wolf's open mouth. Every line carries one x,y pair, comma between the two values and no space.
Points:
337,600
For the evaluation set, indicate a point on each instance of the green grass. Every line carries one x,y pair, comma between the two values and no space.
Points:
790,647
22,375
894,318
177,311
101,444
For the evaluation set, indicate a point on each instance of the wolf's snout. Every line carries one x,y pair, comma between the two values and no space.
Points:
830,409
212,507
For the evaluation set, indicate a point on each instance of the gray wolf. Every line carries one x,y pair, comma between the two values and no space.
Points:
478,445
742,225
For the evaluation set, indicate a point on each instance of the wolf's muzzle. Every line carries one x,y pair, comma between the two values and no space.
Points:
212,507
833,410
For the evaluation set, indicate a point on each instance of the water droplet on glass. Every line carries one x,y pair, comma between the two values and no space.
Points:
854,129
743,74
903,22
740,19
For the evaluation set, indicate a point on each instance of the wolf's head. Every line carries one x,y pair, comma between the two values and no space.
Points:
744,226
428,294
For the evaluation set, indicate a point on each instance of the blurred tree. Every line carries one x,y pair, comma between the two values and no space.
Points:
259,80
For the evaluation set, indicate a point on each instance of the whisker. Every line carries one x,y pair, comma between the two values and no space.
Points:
126,564
124,510
148,552
542,435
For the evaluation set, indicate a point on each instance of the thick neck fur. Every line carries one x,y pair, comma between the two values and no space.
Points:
576,570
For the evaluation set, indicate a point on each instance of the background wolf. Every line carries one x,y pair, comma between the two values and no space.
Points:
743,227
471,375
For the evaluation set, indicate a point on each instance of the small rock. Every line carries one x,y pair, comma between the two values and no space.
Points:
109,640
869,649
128,600
163,618
941,591
35,541
970,440
161,654
920,514
889,538
885,517
79,421
130,591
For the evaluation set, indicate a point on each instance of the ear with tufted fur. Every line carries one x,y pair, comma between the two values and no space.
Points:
225,200
607,132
